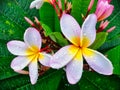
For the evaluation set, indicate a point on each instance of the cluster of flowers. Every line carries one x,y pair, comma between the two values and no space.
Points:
30,52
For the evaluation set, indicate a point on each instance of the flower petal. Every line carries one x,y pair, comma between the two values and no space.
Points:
107,12
63,56
22,71
32,38
37,4
98,62
70,28
33,71
74,69
19,63
40,3
44,59
17,47
88,30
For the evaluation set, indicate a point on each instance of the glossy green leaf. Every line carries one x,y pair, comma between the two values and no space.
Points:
21,82
5,70
12,13
115,19
58,38
93,81
80,7
114,56
110,43
47,29
49,17
99,41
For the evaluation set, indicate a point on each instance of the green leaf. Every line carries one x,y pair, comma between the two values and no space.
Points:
49,17
58,38
114,56
110,43
3,49
21,82
99,41
5,70
80,7
47,29
94,81
115,19
12,23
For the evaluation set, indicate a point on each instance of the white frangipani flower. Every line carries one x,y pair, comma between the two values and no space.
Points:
38,3
71,56
29,53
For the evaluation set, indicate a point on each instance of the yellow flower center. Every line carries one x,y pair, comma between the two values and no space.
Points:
33,53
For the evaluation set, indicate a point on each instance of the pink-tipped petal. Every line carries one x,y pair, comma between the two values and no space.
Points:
107,12
19,63
70,28
98,62
22,71
74,69
17,47
44,59
88,30
63,56
101,8
32,38
33,71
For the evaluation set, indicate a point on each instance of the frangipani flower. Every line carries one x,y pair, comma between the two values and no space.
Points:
72,55
39,3
29,53
104,9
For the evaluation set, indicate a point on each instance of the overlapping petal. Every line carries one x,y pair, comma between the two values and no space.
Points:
107,12
32,38
33,71
70,28
44,59
98,62
37,4
63,56
19,63
17,47
74,68
88,34
104,9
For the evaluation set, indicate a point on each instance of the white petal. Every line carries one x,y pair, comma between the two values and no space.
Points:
19,63
44,59
32,38
17,47
70,28
74,69
40,3
37,4
89,30
98,62
63,56
33,71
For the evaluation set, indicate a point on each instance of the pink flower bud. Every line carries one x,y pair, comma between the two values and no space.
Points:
90,5
104,9
52,1
104,1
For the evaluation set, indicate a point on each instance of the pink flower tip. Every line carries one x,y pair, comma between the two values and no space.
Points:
104,9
